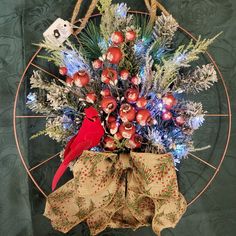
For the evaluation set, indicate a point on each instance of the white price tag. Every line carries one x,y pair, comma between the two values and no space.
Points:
58,32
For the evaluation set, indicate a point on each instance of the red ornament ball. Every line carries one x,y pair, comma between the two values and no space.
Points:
113,126
118,136
69,81
135,141
109,76
105,92
141,102
179,120
81,78
117,37
127,130
97,64
131,95
169,101
91,97
63,70
114,55
143,117
167,115
108,104
109,143
127,112
124,74
136,80
111,119
130,35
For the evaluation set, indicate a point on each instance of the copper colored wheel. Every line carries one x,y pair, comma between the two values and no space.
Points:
215,168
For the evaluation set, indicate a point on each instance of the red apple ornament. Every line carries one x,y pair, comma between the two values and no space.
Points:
169,101
136,80
69,81
130,35
143,117
117,37
81,78
113,126
63,70
118,136
127,130
179,120
109,143
108,104
141,102
97,64
114,55
131,95
105,92
127,112
109,76
111,119
135,141
91,97
124,74
166,115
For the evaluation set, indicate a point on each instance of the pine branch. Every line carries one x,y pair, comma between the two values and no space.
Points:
164,30
90,39
200,79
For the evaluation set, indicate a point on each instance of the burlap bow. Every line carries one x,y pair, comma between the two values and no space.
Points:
118,191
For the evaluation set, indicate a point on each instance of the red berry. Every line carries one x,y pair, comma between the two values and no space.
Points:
131,95
81,78
91,97
113,126
124,74
109,143
118,136
143,117
135,141
108,104
130,35
141,102
109,76
180,120
117,37
111,119
136,80
114,55
127,130
127,112
69,81
63,70
97,64
106,92
169,101
166,115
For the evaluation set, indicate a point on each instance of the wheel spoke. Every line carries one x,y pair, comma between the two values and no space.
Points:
217,115
44,162
25,117
205,162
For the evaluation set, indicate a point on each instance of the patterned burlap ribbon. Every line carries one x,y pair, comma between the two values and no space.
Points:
118,191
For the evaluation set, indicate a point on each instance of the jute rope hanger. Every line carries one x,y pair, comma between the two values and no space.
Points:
152,6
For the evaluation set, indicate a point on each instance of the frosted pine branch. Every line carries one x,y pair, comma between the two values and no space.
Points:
200,79
164,29
167,73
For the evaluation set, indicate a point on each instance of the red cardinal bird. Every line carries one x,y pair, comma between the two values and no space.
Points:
88,136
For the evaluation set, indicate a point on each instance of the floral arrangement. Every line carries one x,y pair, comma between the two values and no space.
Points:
122,88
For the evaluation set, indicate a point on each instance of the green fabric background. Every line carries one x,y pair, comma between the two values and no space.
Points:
22,23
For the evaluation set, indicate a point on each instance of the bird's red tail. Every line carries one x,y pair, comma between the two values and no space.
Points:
60,171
